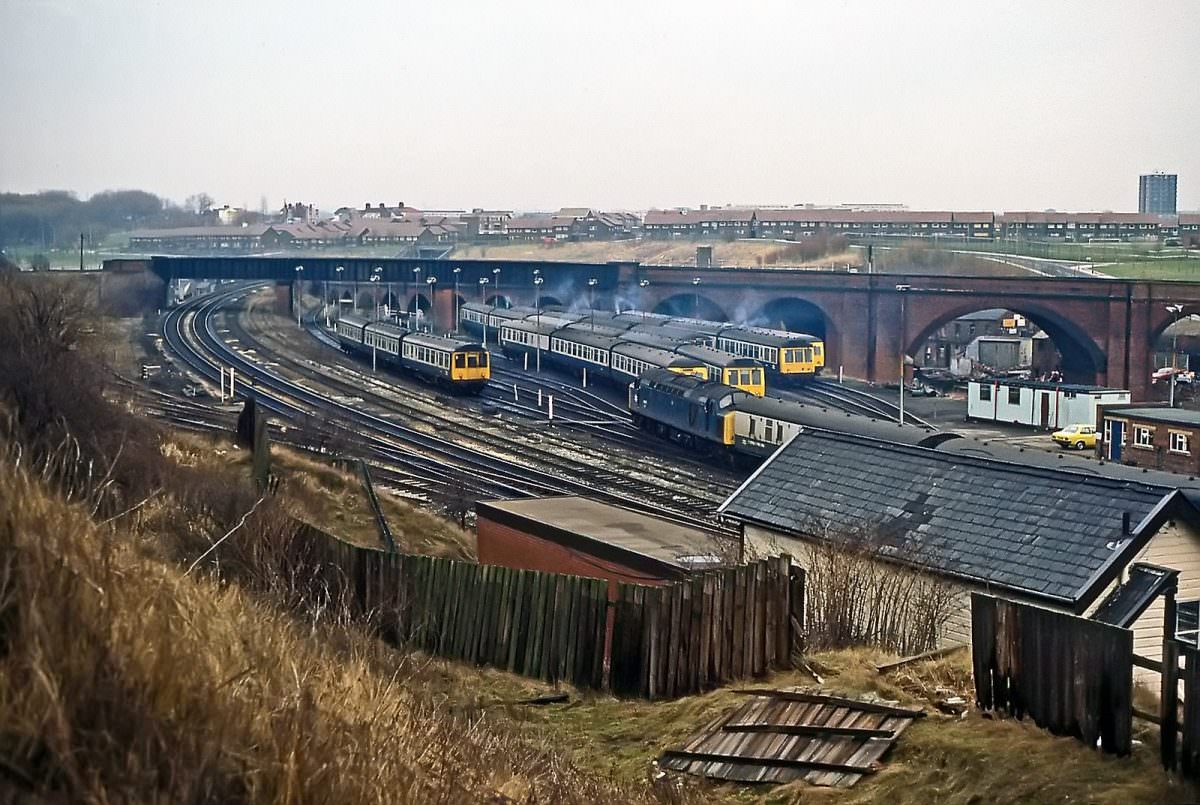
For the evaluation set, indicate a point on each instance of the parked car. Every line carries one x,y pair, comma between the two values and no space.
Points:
1079,437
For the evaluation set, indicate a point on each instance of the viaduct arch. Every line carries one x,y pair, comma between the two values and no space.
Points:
1104,328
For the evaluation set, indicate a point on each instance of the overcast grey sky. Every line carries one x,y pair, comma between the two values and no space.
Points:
618,104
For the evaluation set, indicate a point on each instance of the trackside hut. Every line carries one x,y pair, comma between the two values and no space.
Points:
1053,537
1040,404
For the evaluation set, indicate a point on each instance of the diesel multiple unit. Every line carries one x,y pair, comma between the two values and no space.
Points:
742,357
460,366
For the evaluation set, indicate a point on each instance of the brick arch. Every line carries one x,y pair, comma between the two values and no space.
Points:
691,305
1083,360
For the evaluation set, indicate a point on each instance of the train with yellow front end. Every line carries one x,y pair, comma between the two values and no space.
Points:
463,367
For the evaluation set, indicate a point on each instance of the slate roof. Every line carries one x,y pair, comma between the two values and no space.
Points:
1040,531
1169,416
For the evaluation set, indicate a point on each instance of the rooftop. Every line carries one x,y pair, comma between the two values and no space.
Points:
1078,388
1154,413
1042,531
605,530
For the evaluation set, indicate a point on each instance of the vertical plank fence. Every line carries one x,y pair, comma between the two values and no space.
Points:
1071,675
665,641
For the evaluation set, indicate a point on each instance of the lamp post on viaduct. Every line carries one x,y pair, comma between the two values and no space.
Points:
1104,329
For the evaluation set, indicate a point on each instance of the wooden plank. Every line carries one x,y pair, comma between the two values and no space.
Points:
811,729
650,627
533,640
741,760
1148,663
706,676
695,633
738,656
675,597
783,638
837,701
884,668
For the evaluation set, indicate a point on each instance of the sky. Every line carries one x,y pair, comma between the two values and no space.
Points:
620,105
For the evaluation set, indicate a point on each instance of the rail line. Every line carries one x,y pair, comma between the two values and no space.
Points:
415,450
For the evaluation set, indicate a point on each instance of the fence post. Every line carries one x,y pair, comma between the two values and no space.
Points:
1169,692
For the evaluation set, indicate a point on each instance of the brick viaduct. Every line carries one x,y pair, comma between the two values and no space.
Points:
1104,329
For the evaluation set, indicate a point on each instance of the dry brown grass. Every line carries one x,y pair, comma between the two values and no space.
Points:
124,679
744,253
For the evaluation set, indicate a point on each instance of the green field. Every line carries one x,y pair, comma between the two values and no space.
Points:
1174,269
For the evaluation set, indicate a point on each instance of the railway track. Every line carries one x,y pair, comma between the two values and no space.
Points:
416,451
854,401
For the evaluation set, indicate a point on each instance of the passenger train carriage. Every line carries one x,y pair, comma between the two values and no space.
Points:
460,366
788,357
713,418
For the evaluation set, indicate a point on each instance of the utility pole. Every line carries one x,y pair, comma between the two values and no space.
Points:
903,290
81,251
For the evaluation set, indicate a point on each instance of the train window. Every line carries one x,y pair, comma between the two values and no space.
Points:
472,360
769,430
483,360
751,427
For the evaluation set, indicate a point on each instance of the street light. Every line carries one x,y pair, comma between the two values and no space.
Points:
432,283
902,290
537,302
592,301
482,282
298,295
339,271
457,271
1174,310
416,290
496,271
696,298
643,284
376,276
375,294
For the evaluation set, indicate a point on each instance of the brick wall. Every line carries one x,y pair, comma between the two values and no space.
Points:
1160,457
501,545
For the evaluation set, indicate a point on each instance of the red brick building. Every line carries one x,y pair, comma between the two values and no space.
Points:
1153,437
584,537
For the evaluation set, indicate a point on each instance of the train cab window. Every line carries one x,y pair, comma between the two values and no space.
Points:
472,360
483,360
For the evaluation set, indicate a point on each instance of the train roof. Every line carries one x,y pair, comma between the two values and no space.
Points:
386,327
599,329
442,343
532,326
697,325
837,421
780,333
660,357
716,357
766,339
650,340
642,317
587,337
354,319
608,319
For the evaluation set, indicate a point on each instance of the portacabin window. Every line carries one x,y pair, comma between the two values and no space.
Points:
1180,443
1143,436
1014,395
985,392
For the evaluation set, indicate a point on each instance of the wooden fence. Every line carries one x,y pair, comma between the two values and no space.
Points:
698,634
657,642
1071,675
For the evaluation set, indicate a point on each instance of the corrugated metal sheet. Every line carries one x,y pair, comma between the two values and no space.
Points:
780,736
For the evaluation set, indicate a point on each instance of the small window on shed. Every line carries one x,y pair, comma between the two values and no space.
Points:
1014,395
1179,442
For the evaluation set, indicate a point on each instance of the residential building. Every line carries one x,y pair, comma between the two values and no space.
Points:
1156,193
198,238
1151,436
1054,531
1189,229
481,224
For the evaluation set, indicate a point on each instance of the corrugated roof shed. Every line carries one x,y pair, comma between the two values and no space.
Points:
1040,531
